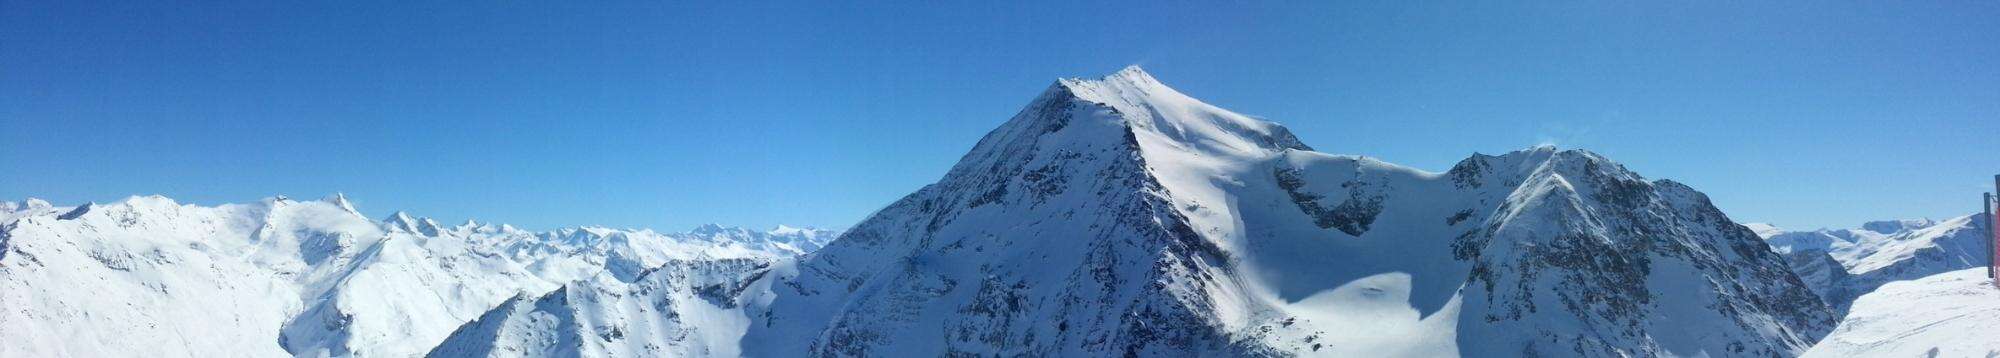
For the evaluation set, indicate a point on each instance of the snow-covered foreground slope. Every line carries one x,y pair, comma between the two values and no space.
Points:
1953,314
311,278
1843,264
1120,217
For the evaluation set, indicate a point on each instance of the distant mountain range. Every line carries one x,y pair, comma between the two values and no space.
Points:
1842,264
309,278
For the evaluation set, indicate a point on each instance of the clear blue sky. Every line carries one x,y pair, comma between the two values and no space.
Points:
667,114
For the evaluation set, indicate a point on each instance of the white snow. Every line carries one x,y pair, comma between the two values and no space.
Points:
309,278
1882,251
1031,245
1952,314
1114,216
1764,230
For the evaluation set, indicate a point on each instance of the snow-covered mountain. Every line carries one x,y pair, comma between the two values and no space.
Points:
309,278
1952,314
1112,216
682,309
1118,216
10,211
1842,264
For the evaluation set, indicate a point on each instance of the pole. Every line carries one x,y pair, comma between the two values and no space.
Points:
1993,242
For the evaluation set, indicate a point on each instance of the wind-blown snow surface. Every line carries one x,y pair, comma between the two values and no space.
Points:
1953,314
280,277
1843,264
1120,217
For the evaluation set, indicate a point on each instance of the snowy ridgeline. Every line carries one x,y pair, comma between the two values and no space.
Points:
1843,264
313,278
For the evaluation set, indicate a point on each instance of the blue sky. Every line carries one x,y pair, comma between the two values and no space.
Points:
670,114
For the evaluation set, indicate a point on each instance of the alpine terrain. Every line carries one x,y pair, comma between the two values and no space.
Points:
1119,217
1841,265
1952,314
1110,217
282,277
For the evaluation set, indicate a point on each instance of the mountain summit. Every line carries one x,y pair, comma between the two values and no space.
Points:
1118,216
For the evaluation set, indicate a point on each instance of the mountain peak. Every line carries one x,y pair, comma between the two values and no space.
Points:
1149,108
1131,71
709,229
403,221
1128,87
35,204
340,200
1130,78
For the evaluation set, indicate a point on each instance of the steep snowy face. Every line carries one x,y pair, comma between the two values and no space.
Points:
1882,251
285,277
1117,216
1950,314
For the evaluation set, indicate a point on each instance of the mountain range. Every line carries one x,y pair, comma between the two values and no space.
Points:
306,278
1113,216
1842,264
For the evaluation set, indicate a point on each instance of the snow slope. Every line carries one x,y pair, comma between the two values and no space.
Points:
1120,217
1843,264
309,278
1952,314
